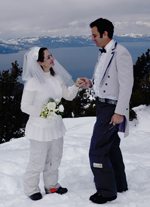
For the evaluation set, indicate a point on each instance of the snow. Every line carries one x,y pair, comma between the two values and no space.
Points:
74,171
131,35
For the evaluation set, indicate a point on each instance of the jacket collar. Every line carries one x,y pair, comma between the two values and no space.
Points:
109,58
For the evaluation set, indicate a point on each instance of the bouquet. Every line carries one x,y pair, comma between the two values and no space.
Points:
52,108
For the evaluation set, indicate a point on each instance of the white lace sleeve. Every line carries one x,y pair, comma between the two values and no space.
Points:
27,103
69,93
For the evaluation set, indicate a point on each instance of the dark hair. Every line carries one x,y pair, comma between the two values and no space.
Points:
41,59
102,26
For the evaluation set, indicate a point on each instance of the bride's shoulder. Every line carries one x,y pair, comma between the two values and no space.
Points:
32,84
32,81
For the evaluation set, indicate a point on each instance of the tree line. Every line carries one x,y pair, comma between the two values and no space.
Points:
13,120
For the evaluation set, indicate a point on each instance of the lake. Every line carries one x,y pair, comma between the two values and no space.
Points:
78,61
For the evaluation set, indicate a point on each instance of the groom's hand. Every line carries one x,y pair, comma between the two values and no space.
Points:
85,83
116,119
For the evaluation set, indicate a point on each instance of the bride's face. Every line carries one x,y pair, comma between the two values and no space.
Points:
48,61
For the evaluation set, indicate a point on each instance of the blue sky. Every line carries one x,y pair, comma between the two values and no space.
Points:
20,18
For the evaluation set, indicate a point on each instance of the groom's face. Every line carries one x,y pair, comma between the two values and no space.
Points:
100,41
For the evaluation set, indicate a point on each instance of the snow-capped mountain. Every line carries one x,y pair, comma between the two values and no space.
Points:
18,44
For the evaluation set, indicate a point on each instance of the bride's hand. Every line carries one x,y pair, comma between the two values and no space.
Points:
79,82
85,83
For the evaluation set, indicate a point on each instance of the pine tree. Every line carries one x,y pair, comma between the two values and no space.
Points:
141,89
12,120
82,105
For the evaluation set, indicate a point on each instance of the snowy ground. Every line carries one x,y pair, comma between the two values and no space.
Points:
75,173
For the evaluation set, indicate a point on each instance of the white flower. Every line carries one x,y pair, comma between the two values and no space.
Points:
57,100
51,109
52,115
51,106
61,108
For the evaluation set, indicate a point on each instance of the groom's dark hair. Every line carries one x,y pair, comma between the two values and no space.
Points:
102,26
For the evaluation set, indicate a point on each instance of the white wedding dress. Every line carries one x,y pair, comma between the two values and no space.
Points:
34,96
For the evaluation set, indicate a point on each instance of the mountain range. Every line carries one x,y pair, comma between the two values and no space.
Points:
18,44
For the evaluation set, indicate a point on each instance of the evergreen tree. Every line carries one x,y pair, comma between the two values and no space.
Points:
12,120
141,89
82,105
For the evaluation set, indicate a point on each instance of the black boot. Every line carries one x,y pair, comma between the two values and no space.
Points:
36,196
59,190
98,198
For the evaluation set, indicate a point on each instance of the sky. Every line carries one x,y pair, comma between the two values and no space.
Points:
74,171
71,17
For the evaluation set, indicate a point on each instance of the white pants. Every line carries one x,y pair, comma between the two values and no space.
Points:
44,157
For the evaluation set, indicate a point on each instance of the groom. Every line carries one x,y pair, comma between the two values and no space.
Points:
112,84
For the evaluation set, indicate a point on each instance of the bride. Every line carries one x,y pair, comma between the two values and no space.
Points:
45,78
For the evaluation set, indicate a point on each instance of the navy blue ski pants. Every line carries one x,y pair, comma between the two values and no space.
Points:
105,155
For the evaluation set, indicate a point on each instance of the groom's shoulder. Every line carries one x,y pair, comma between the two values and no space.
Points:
121,47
